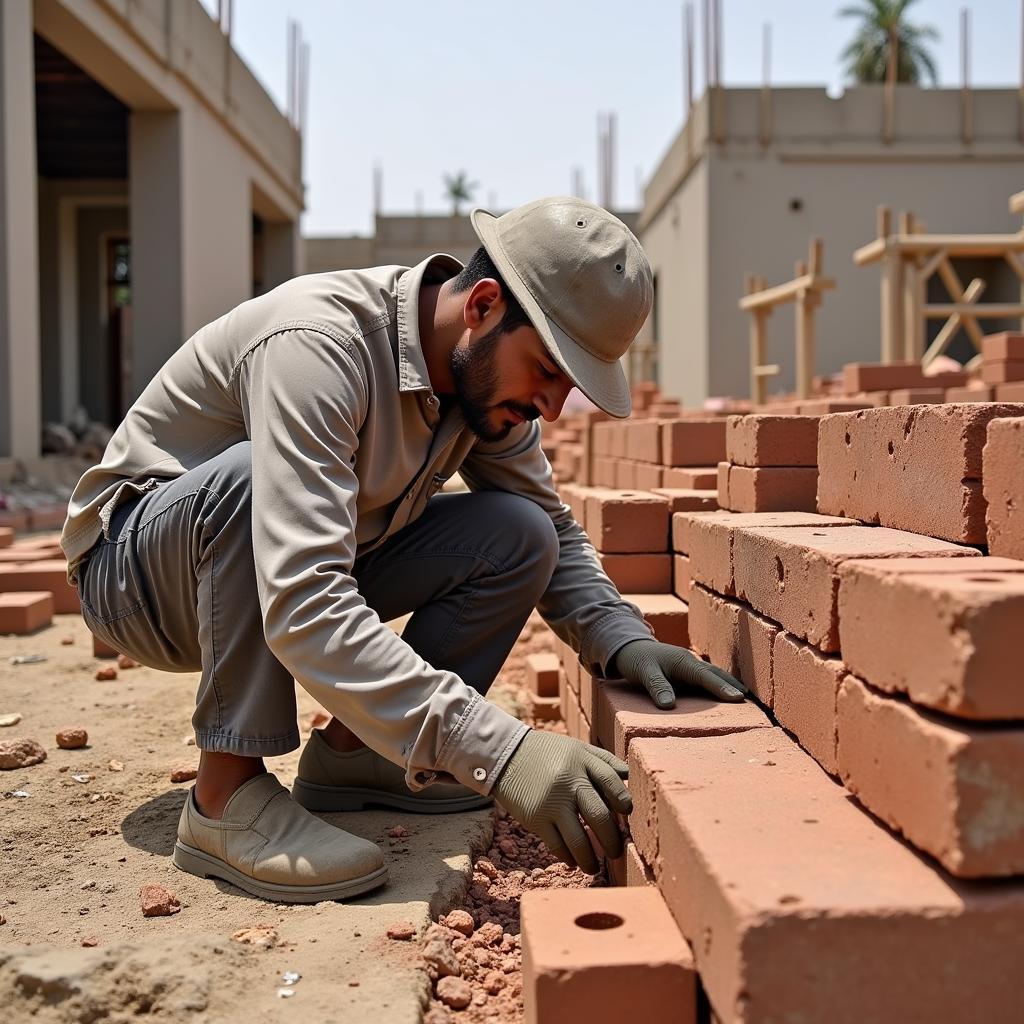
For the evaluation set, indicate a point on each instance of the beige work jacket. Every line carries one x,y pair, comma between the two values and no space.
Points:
326,376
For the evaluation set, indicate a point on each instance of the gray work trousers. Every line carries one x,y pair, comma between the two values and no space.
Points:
172,584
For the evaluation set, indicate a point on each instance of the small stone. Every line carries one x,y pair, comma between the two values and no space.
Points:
485,867
10,719
285,993
105,673
67,641
440,955
454,992
508,848
72,738
494,982
402,930
123,661
90,940
262,935
189,741
353,984
490,932
398,832
82,778
157,901
20,753
115,766
91,884
315,719
184,773
461,921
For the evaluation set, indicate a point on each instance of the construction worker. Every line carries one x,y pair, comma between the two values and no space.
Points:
270,500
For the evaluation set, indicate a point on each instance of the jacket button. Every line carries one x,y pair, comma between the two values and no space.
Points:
479,774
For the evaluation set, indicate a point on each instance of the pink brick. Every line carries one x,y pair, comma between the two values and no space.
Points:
6,536
666,614
711,540
1004,372
681,578
1010,392
773,489
806,685
1002,346
1004,487
687,500
627,521
914,468
643,440
917,396
950,788
791,574
939,630
542,674
970,393
639,573
772,440
625,712
46,575
765,861
604,955
691,478
722,485
688,442
25,612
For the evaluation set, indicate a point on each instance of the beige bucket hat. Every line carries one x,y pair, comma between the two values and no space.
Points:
584,282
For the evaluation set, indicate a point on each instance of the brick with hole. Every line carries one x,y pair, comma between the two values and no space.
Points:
1003,462
791,574
916,468
945,632
953,789
603,955
639,573
773,488
25,612
627,521
693,442
762,440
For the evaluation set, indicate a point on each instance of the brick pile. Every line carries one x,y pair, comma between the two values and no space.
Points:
33,582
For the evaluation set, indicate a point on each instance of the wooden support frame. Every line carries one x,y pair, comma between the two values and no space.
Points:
805,292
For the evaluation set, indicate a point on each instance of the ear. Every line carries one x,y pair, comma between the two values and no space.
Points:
484,303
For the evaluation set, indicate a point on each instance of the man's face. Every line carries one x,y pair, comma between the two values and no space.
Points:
503,379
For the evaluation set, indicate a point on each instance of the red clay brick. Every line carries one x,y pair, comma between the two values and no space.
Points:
805,687
6,536
625,475
1002,346
604,955
939,630
710,540
950,788
101,649
575,496
1003,372
48,575
886,376
772,440
603,474
791,574
722,485
687,500
970,393
12,520
625,712
765,861
1004,487
627,521
647,477
917,396
914,468
25,612
47,517
1010,392
693,442
639,573
681,578
826,406
773,489
543,709
666,614
691,478
542,674
587,693
643,440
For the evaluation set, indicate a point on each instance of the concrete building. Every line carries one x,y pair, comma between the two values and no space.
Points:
148,184
754,175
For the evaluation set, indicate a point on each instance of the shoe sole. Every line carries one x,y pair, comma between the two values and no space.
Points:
326,799
196,862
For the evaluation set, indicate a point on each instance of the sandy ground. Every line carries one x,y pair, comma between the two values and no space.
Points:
74,855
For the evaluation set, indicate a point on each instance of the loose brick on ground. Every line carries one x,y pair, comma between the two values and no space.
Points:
773,489
542,674
48,575
1003,461
805,688
639,573
945,632
954,790
791,574
915,468
604,955
692,442
25,612
667,615
627,521
6,536
762,440
800,906
691,478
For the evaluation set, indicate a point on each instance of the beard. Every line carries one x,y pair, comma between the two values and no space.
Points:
475,372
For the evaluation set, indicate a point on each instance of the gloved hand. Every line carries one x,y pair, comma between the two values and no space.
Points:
656,666
551,780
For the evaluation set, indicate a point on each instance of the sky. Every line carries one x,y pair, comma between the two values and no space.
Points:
511,93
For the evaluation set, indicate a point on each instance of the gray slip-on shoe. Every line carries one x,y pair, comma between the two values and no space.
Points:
271,847
331,781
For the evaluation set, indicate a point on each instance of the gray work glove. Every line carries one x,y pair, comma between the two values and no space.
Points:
657,666
551,780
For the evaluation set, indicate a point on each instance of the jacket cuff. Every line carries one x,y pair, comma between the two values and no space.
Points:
476,750
606,636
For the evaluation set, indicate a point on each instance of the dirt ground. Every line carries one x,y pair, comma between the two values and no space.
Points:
98,823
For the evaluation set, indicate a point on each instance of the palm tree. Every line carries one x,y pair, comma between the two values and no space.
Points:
882,29
458,189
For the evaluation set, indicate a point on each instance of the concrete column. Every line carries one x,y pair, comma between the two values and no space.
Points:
281,253
155,163
19,237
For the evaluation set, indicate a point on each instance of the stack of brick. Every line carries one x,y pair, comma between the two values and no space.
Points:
1002,365
771,464
879,384
34,565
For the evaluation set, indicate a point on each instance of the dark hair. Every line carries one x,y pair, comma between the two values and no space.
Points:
481,266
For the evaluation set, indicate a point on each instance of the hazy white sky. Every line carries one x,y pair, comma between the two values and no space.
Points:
510,93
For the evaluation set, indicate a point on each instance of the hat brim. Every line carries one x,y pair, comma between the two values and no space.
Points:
604,383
